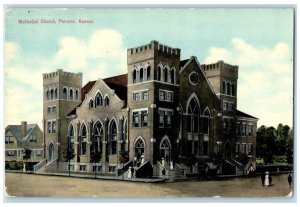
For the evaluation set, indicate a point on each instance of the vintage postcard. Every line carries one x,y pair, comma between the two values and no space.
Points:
149,102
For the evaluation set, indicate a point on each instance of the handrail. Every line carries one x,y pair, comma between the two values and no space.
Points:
39,165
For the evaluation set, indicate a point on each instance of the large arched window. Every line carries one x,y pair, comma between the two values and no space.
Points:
113,137
71,137
55,93
148,72
166,74
224,87
141,75
193,116
134,76
172,74
159,73
99,100
65,94
71,94
98,137
83,139
139,147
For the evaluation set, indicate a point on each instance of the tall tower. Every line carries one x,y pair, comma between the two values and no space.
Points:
61,94
223,78
153,72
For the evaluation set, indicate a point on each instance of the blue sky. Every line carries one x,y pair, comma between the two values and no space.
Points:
260,41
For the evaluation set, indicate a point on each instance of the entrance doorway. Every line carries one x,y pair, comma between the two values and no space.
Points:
139,148
165,149
51,151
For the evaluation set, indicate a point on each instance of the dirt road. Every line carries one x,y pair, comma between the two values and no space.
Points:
29,185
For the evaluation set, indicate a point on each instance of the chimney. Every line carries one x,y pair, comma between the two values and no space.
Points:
23,128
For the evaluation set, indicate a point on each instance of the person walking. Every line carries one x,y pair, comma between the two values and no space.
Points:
267,183
290,180
262,177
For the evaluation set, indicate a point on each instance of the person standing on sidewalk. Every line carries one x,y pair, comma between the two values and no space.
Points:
290,180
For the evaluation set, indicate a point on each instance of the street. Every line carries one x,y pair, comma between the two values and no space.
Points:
30,185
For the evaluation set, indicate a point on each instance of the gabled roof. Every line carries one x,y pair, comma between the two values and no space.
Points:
117,80
183,62
16,130
119,85
86,88
242,114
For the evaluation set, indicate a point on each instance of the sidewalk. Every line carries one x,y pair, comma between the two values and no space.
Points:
101,177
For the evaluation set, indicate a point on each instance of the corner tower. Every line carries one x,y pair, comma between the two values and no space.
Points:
223,78
61,94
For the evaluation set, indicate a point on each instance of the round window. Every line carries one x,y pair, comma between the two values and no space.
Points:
194,78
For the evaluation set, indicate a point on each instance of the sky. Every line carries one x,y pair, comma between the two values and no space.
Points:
258,40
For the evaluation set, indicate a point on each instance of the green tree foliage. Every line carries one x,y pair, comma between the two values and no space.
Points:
290,148
274,142
68,155
94,158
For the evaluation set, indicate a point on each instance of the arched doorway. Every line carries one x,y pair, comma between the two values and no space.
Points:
165,149
51,151
139,148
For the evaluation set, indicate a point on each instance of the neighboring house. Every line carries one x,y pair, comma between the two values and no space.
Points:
19,137
162,108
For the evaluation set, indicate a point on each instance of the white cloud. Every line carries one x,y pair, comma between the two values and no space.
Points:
265,84
99,56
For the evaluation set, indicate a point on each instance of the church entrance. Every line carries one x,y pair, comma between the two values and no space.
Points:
165,150
51,151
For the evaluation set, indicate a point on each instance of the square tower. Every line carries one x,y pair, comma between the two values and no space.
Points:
61,94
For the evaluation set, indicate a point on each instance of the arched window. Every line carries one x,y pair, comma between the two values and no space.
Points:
224,87
193,116
65,94
55,93
228,88
83,139
139,148
99,100
159,73
76,94
91,104
71,94
134,76
98,137
172,75
148,72
165,74
48,95
71,137
233,89
106,100
141,75
113,137
51,94
125,131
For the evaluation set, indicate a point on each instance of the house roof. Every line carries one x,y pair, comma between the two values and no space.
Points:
16,130
242,114
86,88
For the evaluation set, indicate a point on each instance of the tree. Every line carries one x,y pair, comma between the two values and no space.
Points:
68,155
290,148
94,158
26,157
243,159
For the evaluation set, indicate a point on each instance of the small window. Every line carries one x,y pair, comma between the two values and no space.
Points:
49,125
145,118
145,95
49,110
65,93
53,127
106,101
54,109
148,73
141,75
91,104
71,94
82,168
55,93
134,76
76,95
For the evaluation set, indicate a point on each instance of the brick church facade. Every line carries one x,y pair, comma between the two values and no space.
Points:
164,112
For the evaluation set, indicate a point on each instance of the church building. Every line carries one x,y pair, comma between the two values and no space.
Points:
164,113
